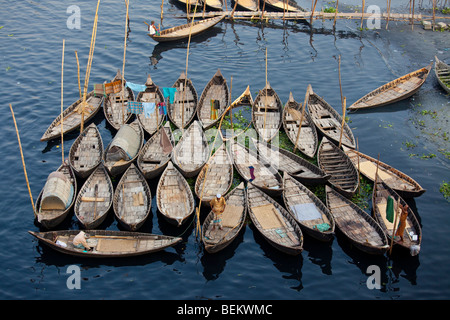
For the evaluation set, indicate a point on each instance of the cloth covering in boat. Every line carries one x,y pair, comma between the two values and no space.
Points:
214,109
125,144
136,87
231,216
390,209
306,211
149,108
58,192
116,245
267,216
99,89
322,226
134,107
169,93
164,142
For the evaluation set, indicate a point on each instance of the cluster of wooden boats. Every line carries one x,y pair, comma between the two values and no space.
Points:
274,181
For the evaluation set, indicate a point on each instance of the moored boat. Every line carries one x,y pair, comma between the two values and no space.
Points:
184,106
442,72
152,98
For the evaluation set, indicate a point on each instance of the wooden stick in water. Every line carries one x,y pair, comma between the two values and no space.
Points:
78,68
127,2
23,161
308,92
62,100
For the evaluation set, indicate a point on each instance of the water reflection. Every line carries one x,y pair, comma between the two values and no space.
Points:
319,253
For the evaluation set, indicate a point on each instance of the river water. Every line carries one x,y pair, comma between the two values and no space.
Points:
411,136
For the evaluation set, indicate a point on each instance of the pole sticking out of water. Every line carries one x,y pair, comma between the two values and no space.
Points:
127,2
62,101
23,161
78,68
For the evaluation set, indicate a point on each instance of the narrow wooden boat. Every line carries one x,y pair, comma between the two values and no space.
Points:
343,173
151,120
182,32
266,113
174,197
156,153
283,160
124,148
132,199
94,199
213,101
403,184
213,4
307,140
412,236
357,225
442,72
182,111
107,243
329,122
249,5
57,197
233,221
309,211
72,116
256,170
215,177
192,151
115,106
275,224
283,5
394,91
86,152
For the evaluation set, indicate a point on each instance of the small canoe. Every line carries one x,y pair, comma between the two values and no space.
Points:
357,225
329,122
283,5
233,220
124,148
283,160
275,224
266,113
86,152
412,236
182,32
192,151
394,91
442,72
72,116
256,170
174,197
182,111
150,120
213,101
115,106
309,211
343,173
56,197
403,184
249,5
94,199
307,140
215,177
107,243
132,199
156,153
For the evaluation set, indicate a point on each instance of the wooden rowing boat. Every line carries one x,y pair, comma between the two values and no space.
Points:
344,175
156,153
94,199
213,4
132,199
266,113
115,106
107,243
124,148
233,221
442,72
192,151
57,197
151,120
182,32
309,211
250,5
182,111
284,5
72,116
215,177
329,122
174,197
86,152
394,91
412,236
307,140
403,184
213,101
357,225
283,160
255,169
275,224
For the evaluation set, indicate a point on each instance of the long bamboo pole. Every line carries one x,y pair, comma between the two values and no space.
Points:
265,100
335,13
23,161
78,68
388,12
312,11
412,17
127,2
308,92
343,121
62,101
362,12
434,13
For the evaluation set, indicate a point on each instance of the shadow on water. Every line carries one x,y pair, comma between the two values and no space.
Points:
319,253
